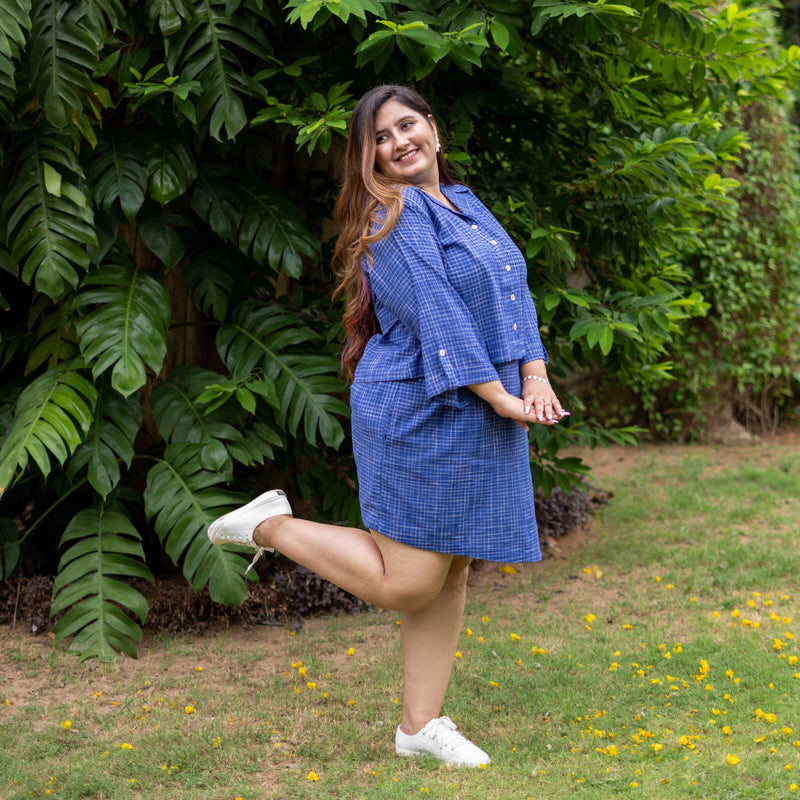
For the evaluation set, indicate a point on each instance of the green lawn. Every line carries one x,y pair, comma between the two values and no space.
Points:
656,658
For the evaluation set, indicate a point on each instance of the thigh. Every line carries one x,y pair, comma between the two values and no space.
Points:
417,571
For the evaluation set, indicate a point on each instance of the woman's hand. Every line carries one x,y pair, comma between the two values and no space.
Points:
540,402
523,410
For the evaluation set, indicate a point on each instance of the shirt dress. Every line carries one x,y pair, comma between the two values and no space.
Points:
437,468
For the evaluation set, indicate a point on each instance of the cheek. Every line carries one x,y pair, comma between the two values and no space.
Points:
383,158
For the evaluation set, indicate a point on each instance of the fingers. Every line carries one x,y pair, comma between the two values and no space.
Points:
545,408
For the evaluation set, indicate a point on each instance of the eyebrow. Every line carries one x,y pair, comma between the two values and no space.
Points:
396,122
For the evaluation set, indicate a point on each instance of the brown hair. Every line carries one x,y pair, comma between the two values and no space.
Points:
365,193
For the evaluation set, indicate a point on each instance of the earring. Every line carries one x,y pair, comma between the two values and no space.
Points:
438,145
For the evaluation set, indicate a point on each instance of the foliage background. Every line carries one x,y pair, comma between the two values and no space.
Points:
168,344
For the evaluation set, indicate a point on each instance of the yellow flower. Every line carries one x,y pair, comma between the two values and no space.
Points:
302,672
494,684
469,632
657,747
311,685
458,654
484,619
351,651
732,759
514,637
189,709
508,569
126,746
198,669
590,618
726,729
312,776
66,724
792,787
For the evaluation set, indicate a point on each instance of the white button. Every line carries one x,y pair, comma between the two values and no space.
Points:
442,352
493,241
474,227
515,326
513,297
508,267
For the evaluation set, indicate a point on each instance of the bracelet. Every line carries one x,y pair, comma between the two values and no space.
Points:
535,378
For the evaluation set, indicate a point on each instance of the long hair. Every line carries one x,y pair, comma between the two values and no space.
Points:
366,196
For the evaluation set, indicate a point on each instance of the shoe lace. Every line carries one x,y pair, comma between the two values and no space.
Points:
259,553
444,733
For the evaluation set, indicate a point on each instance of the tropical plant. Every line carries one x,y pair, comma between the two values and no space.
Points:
169,170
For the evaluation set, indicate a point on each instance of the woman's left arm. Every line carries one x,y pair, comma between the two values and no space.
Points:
538,397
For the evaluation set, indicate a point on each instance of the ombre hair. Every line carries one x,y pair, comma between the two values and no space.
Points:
367,209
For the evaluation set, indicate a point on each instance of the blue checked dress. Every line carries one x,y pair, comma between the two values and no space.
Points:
437,468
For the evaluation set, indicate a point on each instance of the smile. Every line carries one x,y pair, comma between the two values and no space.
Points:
409,155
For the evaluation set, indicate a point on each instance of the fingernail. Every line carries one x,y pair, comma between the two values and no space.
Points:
540,417
527,409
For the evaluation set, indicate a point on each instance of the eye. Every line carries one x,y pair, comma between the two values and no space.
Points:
380,139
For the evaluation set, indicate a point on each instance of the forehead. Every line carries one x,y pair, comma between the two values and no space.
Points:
391,112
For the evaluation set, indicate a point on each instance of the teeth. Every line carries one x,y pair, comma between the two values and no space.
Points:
406,156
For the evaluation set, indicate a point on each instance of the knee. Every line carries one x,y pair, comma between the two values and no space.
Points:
414,598
410,597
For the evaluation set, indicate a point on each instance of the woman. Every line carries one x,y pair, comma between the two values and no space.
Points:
448,371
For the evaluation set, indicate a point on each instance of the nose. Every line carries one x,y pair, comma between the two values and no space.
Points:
400,140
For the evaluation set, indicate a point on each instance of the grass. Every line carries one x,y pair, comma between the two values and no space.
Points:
658,658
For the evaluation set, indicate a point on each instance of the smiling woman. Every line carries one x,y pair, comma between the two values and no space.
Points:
448,371
406,144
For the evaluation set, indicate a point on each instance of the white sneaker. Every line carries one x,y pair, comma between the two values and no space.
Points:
238,526
440,739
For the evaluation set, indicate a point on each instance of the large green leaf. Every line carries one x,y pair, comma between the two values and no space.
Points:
116,422
104,547
117,170
49,224
180,418
273,228
9,546
54,335
15,24
266,336
171,168
61,59
169,14
51,418
209,277
211,50
184,499
126,328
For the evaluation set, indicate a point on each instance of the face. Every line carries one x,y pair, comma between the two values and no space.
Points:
405,144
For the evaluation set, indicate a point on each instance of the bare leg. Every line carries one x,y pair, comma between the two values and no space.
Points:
429,640
377,569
